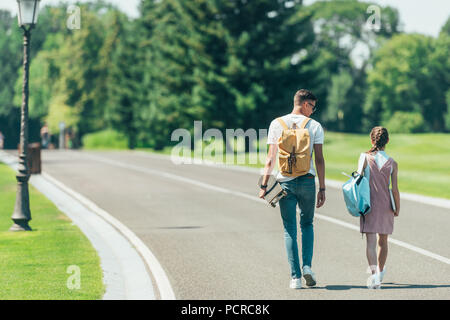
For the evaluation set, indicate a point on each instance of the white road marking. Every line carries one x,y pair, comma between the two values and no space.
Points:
256,199
438,202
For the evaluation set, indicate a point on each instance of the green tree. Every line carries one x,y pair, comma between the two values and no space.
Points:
227,63
11,49
71,71
265,63
447,115
183,46
441,63
46,36
341,54
446,27
405,122
124,78
341,85
409,75
440,70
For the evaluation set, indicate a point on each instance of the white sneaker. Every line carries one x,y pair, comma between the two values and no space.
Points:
309,276
373,282
296,283
381,273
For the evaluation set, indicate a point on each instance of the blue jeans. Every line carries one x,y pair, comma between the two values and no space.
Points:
301,191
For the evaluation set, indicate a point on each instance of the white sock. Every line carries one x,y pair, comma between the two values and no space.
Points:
372,268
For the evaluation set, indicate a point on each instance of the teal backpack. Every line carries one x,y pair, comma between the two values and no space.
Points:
357,191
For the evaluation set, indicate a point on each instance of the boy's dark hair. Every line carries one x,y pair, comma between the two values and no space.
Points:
302,95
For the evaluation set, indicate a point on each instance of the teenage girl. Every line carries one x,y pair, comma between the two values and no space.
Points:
380,169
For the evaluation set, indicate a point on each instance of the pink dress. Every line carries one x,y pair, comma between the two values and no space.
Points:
380,219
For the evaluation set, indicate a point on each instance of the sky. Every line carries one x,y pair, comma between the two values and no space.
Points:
426,17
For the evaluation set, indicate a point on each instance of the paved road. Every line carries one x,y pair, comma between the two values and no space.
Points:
217,245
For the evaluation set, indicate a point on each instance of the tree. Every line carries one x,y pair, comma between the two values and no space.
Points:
265,66
341,54
341,85
11,47
441,67
447,115
409,75
124,78
72,70
227,63
446,27
183,47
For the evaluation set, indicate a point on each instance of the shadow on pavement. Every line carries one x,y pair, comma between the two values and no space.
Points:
389,285
182,227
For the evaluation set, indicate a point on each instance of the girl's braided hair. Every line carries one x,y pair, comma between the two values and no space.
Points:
380,136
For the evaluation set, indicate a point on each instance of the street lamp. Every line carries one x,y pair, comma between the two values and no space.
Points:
27,16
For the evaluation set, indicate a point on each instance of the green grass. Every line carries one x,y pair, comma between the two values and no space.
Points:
33,264
105,140
423,159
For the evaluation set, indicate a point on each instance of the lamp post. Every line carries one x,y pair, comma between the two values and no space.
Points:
27,16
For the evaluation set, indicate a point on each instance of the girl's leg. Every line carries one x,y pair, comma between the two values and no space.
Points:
382,250
371,251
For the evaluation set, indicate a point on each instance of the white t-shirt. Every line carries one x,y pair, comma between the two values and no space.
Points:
380,159
315,132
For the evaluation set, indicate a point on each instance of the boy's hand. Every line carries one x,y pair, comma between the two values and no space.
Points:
320,199
396,213
262,193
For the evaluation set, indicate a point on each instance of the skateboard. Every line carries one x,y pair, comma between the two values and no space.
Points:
274,191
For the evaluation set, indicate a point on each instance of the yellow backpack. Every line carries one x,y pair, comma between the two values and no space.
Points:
294,155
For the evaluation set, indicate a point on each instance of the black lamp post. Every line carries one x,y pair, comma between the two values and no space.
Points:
27,16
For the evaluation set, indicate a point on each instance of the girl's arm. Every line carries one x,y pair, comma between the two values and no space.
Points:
395,191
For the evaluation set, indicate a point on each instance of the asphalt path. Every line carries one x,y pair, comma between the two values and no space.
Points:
215,240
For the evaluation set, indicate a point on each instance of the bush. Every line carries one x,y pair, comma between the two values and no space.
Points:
405,122
447,115
106,139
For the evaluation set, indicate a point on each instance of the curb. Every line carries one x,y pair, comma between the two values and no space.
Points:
156,269
125,275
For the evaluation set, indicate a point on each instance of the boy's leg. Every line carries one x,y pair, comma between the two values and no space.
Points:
306,196
288,206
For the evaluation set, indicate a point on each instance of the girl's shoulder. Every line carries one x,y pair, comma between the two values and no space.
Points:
383,154
381,157
389,158
394,163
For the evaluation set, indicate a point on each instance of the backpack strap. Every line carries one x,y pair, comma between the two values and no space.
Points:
361,163
283,123
304,123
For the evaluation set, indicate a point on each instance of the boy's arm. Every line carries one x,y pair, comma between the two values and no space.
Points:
270,164
320,167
